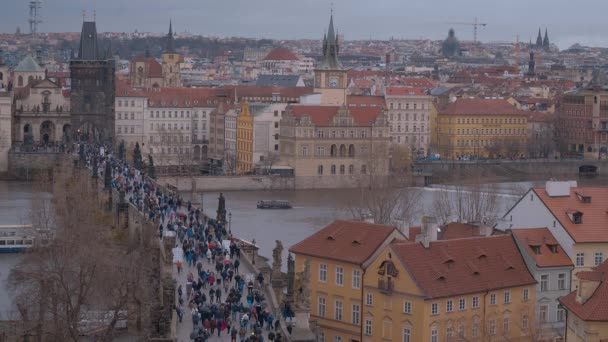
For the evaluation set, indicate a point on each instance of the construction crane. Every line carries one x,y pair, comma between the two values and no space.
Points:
475,25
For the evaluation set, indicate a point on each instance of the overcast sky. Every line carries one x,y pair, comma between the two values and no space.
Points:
568,21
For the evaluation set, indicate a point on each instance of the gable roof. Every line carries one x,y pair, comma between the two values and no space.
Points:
462,266
403,91
278,80
349,241
541,238
28,64
363,116
595,215
281,54
481,107
596,306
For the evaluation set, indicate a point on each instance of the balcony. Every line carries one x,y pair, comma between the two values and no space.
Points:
386,285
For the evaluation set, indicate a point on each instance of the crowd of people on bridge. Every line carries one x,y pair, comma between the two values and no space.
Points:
219,298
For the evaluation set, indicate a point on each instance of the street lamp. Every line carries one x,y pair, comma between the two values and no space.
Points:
230,223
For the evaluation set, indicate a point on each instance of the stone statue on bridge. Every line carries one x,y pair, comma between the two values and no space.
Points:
303,288
277,253
221,209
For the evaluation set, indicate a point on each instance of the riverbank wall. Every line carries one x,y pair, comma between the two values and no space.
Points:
24,166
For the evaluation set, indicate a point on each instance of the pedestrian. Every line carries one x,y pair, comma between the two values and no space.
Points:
237,263
179,266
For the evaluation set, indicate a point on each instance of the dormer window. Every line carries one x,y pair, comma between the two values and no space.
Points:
553,248
575,216
536,249
583,198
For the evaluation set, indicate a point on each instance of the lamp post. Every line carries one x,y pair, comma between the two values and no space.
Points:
230,223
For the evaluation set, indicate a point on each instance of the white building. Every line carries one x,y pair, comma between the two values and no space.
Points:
130,119
201,119
409,117
266,130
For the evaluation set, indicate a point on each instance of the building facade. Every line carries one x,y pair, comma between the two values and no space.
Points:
27,72
409,116
145,72
244,140
485,128
6,125
130,119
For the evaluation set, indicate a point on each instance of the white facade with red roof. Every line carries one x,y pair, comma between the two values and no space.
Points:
409,113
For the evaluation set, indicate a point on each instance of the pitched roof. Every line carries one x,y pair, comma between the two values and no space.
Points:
349,241
371,101
280,54
457,230
481,107
278,80
88,49
595,215
542,240
461,266
154,68
401,91
322,115
596,306
28,64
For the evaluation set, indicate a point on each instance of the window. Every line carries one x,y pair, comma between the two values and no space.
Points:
339,275
449,306
449,334
342,169
561,281
507,296
434,308
337,338
304,150
323,272
580,259
543,313
387,329
526,294
492,327
434,337
475,302
505,326
356,279
475,329
321,307
524,322
276,147
407,334
333,169
493,299
561,313
599,258
368,327
356,314
544,282
369,299
276,125
407,307
338,311
462,303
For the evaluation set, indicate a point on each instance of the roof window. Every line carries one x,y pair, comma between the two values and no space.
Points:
583,198
536,249
575,216
552,248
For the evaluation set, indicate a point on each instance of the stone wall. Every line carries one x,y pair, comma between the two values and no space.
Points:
229,183
25,165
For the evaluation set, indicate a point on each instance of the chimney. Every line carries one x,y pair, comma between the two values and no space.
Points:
429,230
403,227
559,189
586,288
485,230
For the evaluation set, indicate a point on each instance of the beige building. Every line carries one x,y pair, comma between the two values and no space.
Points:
27,71
409,116
6,100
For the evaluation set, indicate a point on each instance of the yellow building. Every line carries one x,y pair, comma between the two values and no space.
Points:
244,140
487,128
339,255
587,318
171,62
473,289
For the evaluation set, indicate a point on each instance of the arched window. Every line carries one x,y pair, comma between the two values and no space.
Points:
363,169
351,169
20,81
333,169
342,169
333,150
342,150
351,150
320,169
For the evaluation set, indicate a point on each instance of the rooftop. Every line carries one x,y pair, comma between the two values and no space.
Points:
461,266
348,241
28,64
481,107
280,54
403,91
542,246
363,116
595,308
594,218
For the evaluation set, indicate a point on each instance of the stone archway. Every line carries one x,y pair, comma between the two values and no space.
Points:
197,152
47,132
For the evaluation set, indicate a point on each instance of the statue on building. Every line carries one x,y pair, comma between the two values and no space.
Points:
303,290
291,266
221,209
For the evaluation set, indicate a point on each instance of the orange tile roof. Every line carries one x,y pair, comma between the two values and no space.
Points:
322,115
281,54
456,267
154,68
349,241
542,238
594,227
596,306
457,230
401,91
372,101
481,107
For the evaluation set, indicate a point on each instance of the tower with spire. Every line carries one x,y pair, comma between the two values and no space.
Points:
330,75
93,88
546,44
539,40
171,61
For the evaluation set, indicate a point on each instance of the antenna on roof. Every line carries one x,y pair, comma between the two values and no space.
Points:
332,8
84,15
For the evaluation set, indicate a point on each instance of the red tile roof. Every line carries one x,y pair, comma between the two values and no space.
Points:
542,239
154,68
541,117
457,230
349,241
372,101
281,54
461,266
596,306
401,91
322,115
595,216
481,107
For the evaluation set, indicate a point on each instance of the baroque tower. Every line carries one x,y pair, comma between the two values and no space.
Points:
171,62
92,95
330,75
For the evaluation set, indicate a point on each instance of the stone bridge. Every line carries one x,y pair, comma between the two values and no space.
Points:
511,170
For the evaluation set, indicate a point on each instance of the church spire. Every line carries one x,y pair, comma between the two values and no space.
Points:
331,48
170,48
539,39
546,40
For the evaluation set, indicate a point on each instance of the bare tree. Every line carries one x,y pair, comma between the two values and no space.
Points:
270,158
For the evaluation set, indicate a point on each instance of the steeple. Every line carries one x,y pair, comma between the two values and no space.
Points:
331,48
546,40
170,48
88,50
539,39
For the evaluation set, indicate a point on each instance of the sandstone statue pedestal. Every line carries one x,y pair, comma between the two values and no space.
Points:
301,332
